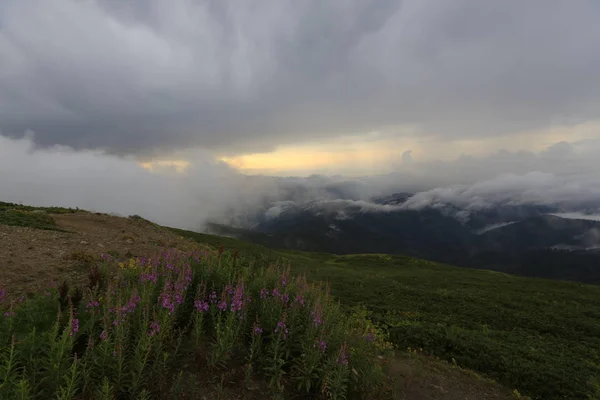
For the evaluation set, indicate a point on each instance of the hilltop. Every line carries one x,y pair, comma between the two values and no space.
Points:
538,336
43,245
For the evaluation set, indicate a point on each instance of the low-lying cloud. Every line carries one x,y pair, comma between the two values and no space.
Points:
531,188
565,175
96,181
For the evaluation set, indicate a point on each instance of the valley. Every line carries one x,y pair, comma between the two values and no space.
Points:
522,240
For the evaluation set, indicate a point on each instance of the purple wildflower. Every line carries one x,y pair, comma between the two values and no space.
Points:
131,305
213,297
258,330
201,305
93,304
285,298
317,316
179,298
104,335
222,305
188,274
74,326
9,314
343,357
322,345
264,293
152,277
281,327
299,299
276,292
165,297
238,298
166,301
154,328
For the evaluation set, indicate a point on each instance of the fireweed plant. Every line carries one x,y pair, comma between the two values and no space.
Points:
133,323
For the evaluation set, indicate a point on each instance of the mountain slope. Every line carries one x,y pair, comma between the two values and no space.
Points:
540,336
516,246
543,232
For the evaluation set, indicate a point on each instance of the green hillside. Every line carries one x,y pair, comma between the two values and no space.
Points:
540,336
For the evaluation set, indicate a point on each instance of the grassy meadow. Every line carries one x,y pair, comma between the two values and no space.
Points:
539,336
167,325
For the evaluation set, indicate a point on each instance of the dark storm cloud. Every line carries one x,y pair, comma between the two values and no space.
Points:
138,75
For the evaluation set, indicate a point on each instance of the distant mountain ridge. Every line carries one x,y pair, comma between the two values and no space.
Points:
520,239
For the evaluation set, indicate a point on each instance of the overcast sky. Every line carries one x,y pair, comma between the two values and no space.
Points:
429,93
234,76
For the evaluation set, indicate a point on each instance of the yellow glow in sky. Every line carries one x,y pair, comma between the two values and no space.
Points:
374,153
313,158
178,165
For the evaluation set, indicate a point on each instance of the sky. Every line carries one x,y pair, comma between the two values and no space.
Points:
204,97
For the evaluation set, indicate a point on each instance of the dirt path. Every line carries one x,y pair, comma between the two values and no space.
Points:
32,258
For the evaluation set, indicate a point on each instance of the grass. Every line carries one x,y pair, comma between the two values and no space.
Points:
32,217
49,210
539,336
155,327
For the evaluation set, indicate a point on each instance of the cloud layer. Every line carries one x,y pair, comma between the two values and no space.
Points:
565,175
235,76
99,182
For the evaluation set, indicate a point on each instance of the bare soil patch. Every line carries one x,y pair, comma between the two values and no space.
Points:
31,259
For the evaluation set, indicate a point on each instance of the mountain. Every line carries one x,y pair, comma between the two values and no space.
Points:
547,231
392,199
523,239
